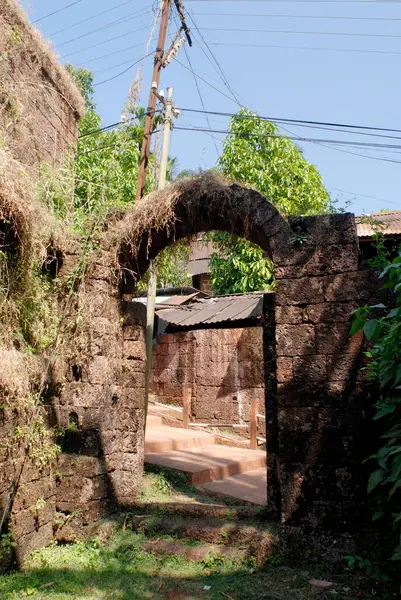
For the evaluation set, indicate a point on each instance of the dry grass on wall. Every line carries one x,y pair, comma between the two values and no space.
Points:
25,229
20,378
24,42
156,211
39,102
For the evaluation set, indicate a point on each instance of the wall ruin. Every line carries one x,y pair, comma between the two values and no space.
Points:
223,368
39,103
315,404
39,110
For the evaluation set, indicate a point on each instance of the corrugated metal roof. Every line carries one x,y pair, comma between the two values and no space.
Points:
388,223
167,301
215,310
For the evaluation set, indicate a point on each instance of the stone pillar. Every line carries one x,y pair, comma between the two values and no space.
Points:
319,402
104,397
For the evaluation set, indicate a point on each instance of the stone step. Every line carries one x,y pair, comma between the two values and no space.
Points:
163,439
193,553
207,463
248,487
153,421
258,542
204,511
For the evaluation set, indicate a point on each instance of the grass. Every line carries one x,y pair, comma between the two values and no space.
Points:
121,570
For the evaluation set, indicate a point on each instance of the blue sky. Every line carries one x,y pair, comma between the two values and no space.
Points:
283,80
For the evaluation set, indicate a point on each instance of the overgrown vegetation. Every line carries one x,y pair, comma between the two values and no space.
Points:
381,325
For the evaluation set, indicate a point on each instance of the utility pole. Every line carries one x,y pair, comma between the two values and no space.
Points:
150,115
152,285
162,59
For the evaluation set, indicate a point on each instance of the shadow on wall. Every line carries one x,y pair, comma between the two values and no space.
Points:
324,425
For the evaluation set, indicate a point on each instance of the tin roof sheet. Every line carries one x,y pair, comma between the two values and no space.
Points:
215,310
388,223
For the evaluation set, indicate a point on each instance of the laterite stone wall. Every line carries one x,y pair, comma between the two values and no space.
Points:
39,104
223,368
321,400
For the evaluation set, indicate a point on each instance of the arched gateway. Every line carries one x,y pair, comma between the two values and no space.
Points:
314,399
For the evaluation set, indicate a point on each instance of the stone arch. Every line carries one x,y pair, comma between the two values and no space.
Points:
191,206
314,409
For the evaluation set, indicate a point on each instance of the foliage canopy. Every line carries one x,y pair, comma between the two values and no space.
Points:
257,155
381,325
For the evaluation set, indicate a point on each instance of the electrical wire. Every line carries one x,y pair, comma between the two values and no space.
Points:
219,68
298,138
55,12
199,92
294,1
366,196
358,154
105,147
205,81
316,142
285,47
122,72
297,16
112,53
326,125
297,122
125,19
117,37
376,35
80,22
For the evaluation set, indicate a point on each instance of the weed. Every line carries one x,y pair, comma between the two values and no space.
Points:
365,565
213,560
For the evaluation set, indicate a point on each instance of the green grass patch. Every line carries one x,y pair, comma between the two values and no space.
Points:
120,570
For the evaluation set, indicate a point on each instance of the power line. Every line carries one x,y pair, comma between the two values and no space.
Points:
377,35
303,48
315,142
279,120
366,196
115,66
55,12
112,53
117,37
125,19
206,81
343,18
294,121
298,138
80,22
381,158
122,72
200,95
294,1
214,59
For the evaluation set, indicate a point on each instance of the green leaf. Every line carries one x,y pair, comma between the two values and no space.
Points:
386,410
374,480
351,560
396,468
370,329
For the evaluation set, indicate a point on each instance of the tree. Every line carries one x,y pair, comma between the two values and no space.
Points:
106,172
255,154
